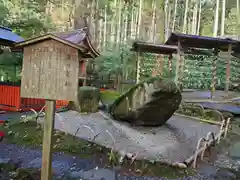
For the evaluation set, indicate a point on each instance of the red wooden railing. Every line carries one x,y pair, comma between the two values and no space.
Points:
10,100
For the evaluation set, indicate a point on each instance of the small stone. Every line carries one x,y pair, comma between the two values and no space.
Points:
95,174
10,133
182,166
129,155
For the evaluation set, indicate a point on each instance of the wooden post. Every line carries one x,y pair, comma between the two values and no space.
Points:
46,172
214,75
170,57
138,66
228,68
160,61
178,76
85,73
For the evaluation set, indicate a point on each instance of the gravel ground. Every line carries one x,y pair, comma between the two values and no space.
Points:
174,142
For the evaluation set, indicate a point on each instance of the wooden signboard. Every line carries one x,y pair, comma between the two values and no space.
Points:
50,71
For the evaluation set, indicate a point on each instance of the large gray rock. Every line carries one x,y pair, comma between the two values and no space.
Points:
149,103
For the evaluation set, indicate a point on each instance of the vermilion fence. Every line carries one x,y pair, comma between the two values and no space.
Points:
10,99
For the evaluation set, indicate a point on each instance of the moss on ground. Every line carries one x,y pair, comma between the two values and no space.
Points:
13,172
108,96
30,134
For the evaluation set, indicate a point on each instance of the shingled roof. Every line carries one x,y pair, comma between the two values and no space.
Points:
194,41
77,38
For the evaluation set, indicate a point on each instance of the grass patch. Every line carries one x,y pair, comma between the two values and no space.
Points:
30,134
108,97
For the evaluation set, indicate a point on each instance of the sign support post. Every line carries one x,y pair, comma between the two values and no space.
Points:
46,173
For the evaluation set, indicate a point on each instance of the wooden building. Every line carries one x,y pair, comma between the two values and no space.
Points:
181,44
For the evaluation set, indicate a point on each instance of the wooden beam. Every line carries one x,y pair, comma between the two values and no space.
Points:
228,68
46,172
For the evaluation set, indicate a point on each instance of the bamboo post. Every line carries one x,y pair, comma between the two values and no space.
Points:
46,172
214,75
138,66
228,68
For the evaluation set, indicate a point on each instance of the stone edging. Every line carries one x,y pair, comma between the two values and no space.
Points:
199,119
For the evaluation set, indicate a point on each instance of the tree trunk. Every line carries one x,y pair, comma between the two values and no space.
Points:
139,21
133,23
100,32
174,15
96,32
153,28
169,21
223,17
113,23
194,17
185,17
105,28
91,21
119,23
238,19
215,28
129,20
161,21
166,7
125,22
199,18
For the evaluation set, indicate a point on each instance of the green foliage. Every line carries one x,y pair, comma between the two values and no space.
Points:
27,19
116,62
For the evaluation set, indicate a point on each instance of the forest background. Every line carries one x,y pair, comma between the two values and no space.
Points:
115,24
